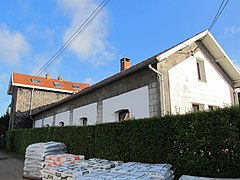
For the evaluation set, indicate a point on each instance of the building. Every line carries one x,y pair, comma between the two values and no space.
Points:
196,74
31,93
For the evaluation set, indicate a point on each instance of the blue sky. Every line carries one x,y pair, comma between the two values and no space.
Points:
31,31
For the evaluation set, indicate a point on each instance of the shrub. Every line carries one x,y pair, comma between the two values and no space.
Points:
200,143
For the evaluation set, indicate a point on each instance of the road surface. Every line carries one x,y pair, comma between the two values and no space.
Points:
11,168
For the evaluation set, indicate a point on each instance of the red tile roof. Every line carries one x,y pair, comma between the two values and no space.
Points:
24,80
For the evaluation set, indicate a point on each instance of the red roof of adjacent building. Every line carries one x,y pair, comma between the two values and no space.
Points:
24,80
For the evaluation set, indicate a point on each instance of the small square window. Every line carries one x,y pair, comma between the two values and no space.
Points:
76,86
36,81
197,107
57,84
212,107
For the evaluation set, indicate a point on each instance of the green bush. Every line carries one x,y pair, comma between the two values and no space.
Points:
200,143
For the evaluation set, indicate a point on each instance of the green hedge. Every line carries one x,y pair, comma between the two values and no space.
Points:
200,144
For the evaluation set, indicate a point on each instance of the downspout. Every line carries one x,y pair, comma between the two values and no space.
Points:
30,108
162,91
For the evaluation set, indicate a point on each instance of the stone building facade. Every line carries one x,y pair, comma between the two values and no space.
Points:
193,75
28,97
96,94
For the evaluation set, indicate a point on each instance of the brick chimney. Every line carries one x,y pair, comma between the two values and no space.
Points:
124,63
48,76
60,78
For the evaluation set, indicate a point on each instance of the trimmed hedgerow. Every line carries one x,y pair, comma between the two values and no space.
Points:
200,143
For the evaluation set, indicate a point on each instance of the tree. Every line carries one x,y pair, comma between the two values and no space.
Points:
4,120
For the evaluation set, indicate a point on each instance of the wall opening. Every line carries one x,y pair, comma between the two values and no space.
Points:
122,115
83,121
61,123
201,70
197,107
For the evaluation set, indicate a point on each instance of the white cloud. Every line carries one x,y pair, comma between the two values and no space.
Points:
3,76
37,33
39,61
88,80
12,46
92,45
231,30
4,79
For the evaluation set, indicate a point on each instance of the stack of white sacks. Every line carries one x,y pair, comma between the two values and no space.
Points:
74,169
103,169
50,161
62,159
187,177
35,156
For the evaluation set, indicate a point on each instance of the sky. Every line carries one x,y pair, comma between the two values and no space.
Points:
32,31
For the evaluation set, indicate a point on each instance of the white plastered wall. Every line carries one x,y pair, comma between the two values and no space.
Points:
89,111
48,120
62,117
38,123
186,89
136,101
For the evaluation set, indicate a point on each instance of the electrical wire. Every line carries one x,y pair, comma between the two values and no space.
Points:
57,55
85,24
218,14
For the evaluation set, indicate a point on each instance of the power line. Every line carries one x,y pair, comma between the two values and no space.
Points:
56,56
219,12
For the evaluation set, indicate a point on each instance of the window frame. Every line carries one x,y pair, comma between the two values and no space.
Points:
120,113
83,121
37,81
57,84
212,107
200,107
61,123
75,86
201,71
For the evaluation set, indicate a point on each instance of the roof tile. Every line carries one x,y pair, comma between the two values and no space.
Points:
28,80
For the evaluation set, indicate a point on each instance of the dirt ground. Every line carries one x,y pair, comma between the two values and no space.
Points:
11,167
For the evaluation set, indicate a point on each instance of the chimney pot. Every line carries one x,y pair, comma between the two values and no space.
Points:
125,63
60,78
48,76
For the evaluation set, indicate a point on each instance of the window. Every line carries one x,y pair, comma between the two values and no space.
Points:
122,115
212,107
57,84
201,70
76,86
61,123
197,107
47,125
238,97
36,81
83,121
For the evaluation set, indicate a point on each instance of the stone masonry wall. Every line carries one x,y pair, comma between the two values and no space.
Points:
143,77
40,98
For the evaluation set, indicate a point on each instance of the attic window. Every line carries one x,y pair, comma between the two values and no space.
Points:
76,86
201,70
57,84
35,80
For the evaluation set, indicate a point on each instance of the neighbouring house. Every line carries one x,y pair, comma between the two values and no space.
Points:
196,74
31,93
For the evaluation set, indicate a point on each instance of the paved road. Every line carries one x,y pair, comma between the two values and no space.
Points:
11,168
